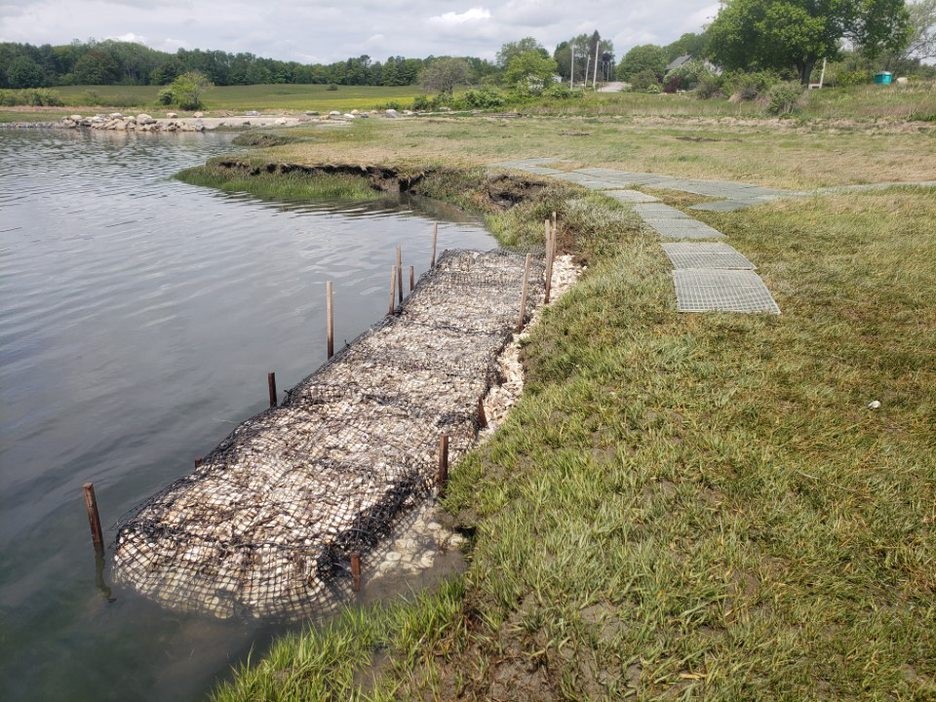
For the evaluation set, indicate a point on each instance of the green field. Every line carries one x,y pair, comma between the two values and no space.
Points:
246,97
915,103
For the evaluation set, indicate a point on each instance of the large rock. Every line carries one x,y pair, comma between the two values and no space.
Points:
198,115
171,115
144,118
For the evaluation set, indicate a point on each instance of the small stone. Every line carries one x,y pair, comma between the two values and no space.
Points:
171,115
874,404
198,115
392,556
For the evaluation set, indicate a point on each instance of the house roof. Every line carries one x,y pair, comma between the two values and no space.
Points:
678,61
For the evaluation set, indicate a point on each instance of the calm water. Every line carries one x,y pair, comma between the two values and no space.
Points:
138,319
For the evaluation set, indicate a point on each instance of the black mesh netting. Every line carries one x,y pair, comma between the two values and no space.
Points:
266,525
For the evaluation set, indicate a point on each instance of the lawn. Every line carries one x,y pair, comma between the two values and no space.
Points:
240,98
681,506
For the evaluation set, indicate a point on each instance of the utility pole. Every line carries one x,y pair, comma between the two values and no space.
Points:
595,75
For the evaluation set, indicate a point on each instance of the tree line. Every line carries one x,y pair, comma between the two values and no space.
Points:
126,63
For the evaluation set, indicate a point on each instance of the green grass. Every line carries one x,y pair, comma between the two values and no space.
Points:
686,506
245,97
293,187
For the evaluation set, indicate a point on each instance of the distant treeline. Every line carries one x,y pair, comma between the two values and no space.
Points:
126,63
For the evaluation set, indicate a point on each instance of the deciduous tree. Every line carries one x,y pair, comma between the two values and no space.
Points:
443,74
782,34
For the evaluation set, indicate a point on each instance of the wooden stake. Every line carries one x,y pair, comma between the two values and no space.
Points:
94,519
482,417
330,318
271,387
523,295
399,266
442,476
199,461
393,277
356,572
550,255
412,278
435,238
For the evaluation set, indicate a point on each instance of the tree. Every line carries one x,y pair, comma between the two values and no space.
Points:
530,71
514,48
23,72
187,89
922,20
443,74
646,57
689,44
782,34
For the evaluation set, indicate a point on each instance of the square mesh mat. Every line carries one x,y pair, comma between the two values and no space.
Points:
722,291
706,255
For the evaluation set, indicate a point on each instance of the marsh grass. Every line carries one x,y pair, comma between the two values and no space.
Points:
686,506
292,187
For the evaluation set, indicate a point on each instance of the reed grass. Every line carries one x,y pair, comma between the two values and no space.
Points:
292,187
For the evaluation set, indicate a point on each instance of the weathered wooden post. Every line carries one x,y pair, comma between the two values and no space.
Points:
94,519
523,294
442,474
550,255
271,388
482,416
435,238
399,266
330,319
356,571
199,461
412,278
393,277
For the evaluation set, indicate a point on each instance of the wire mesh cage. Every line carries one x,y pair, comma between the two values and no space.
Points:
266,525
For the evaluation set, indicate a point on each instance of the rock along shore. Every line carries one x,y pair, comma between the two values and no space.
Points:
199,121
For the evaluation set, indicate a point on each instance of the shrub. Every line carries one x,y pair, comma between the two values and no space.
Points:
164,96
686,77
34,97
784,98
710,86
644,79
560,91
423,103
483,99
653,89
750,86
332,87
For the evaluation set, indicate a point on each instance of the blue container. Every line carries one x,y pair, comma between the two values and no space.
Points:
883,78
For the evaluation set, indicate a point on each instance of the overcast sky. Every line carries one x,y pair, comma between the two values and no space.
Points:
327,31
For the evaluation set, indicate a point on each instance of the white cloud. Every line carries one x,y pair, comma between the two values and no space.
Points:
456,19
131,37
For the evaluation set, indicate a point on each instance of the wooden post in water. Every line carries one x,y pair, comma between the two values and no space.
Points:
393,277
435,239
550,255
412,278
399,267
356,572
271,388
523,295
94,519
329,319
442,475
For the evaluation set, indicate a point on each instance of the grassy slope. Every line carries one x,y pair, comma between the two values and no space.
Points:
786,154
696,505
